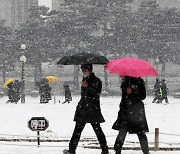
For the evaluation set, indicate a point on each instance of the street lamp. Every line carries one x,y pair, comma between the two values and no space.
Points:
23,60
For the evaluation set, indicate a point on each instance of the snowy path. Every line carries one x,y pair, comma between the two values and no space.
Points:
7,149
14,118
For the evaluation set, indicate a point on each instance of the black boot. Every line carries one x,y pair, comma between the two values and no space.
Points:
118,152
69,151
105,151
64,102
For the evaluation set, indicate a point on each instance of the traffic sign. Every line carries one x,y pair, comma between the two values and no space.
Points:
38,124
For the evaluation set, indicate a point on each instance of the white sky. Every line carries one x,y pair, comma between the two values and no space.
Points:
47,3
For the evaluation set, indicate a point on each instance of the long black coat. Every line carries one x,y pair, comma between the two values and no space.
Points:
164,89
44,91
67,93
132,113
14,89
88,109
157,87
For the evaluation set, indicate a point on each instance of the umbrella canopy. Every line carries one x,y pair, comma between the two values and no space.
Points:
83,58
129,66
52,78
7,82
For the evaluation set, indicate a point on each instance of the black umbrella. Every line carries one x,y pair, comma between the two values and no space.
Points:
82,58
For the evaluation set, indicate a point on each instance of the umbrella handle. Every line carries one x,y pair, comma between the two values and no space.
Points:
129,82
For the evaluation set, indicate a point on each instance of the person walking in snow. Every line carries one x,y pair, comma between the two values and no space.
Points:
10,92
17,85
164,92
14,90
88,110
44,91
157,91
131,116
67,93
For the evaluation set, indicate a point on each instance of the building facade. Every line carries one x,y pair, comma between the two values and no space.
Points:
15,12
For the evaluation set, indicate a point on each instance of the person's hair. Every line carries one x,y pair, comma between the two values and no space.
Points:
157,79
87,66
66,85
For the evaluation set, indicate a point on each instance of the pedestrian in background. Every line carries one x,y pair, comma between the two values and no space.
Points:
88,110
14,90
67,93
131,116
44,91
157,91
164,91
10,92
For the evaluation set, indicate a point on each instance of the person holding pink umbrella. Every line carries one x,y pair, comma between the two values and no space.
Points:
131,116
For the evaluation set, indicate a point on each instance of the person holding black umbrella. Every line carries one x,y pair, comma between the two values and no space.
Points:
88,110
131,116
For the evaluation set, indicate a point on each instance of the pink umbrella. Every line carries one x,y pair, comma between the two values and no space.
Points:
129,66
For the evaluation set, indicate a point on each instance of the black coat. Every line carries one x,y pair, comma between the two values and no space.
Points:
157,87
45,92
14,89
67,93
132,113
164,89
88,109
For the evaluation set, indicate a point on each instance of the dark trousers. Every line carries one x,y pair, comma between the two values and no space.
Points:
77,134
166,99
163,98
121,137
157,97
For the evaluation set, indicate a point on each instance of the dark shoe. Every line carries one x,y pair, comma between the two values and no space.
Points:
69,151
105,152
9,101
118,152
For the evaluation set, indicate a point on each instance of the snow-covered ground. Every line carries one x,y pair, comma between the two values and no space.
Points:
14,118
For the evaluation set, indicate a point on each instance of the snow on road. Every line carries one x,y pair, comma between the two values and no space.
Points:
14,118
